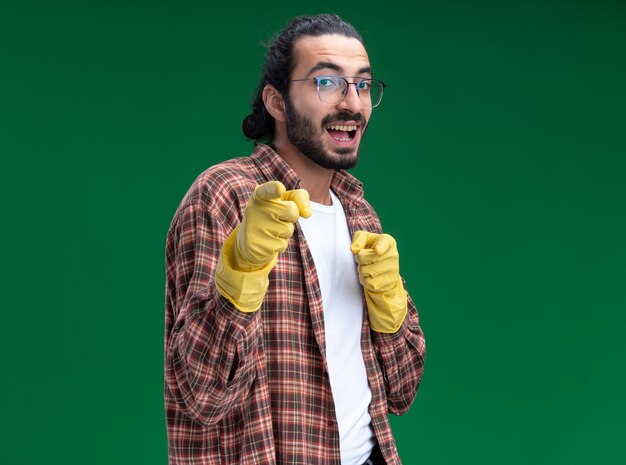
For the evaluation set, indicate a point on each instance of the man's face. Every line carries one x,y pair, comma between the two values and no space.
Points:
328,134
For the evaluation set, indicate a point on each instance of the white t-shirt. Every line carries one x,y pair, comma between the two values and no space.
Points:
328,236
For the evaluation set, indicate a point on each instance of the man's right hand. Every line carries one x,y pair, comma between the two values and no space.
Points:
268,223
251,250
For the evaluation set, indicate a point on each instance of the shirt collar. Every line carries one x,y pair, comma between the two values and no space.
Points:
274,167
348,188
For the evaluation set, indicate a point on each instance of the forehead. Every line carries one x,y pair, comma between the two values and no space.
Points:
346,53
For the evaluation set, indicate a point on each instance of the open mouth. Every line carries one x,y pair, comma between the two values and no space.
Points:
342,132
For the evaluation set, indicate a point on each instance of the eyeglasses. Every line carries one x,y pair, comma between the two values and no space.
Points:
333,89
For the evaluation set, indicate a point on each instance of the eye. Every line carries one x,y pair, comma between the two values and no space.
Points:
327,82
364,85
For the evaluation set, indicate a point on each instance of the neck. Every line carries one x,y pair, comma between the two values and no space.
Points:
314,178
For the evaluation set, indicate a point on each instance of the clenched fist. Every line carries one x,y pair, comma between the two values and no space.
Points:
379,274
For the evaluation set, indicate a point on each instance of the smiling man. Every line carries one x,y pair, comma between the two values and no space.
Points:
289,333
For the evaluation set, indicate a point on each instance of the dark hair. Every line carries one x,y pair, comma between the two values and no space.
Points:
279,63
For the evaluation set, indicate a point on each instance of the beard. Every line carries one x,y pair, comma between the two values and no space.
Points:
307,138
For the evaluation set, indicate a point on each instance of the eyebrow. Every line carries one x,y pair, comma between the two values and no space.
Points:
337,68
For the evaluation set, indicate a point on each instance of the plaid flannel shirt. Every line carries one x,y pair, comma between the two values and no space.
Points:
253,388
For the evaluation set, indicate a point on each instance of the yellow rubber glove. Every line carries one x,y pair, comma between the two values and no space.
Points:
251,250
379,273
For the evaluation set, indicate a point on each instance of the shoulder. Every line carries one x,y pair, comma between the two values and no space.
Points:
226,181
222,190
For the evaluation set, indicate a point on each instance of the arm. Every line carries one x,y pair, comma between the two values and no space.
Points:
401,356
398,339
217,279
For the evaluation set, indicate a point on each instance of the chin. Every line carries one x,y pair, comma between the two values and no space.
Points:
337,160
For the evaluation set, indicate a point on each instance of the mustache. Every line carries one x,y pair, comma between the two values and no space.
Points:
345,116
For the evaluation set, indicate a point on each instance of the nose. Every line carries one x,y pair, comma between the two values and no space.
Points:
352,100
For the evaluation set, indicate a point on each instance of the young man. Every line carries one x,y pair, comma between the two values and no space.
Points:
289,334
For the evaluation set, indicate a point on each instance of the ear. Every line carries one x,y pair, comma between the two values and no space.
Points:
274,104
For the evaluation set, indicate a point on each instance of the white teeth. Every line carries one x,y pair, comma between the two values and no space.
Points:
338,127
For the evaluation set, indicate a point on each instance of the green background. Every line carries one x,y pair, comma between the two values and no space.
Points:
497,160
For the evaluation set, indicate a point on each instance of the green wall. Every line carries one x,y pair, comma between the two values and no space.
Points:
497,160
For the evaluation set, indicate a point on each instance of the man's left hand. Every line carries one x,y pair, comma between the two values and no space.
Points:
379,274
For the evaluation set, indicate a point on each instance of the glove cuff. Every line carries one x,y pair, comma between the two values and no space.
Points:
244,289
387,310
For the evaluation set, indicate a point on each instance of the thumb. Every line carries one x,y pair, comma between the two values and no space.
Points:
383,244
271,190
360,240
301,198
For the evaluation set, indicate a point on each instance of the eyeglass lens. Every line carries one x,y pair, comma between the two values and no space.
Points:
333,89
